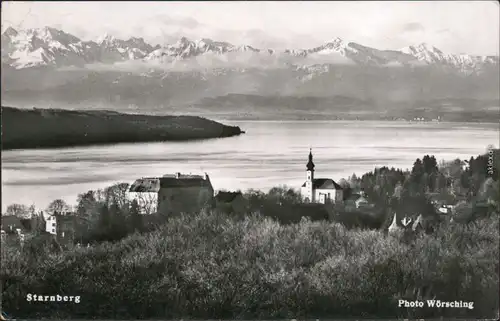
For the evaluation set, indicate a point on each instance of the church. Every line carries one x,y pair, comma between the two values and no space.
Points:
320,190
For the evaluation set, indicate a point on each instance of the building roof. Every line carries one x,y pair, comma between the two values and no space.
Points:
65,217
394,225
11,220
153,184
357,198
324,183
361,199
417,222
310,164
226,197
144,185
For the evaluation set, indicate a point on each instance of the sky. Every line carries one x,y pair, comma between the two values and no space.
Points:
470,27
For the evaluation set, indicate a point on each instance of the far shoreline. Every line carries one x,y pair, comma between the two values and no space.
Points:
317,120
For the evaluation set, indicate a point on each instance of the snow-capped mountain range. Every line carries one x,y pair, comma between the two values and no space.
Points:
50,47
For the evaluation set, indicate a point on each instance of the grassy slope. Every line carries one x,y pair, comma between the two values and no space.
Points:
39,128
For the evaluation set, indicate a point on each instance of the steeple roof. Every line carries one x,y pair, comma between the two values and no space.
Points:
310,165
394,225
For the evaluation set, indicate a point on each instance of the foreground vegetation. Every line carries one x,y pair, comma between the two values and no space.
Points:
215,266
39,128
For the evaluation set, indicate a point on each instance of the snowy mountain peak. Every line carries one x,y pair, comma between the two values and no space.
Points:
426,46
337,45
337,42
247,48
105,38
52,47
421,48
182,42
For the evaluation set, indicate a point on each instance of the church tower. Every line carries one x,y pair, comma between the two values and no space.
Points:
309,191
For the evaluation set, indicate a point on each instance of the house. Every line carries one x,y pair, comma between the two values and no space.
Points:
14,228
443,203
445,209
10,223
62,225
145,193
320,190
231,201
177,193
358,200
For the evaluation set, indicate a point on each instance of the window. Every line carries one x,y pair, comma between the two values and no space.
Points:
53,230
53,224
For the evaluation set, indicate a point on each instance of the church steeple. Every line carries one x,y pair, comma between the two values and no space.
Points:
310,164
308,192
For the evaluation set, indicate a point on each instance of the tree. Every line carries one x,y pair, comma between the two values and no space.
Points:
32,210
344,184
354,181
418,178
59,206
117,194
87,211
39,223
119,228
489,191
147,202
440,182
418,169
283,194
135,217
87,204
430,164
18,210
398,190
104,219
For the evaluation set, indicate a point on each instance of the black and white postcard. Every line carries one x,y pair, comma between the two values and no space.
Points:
250,160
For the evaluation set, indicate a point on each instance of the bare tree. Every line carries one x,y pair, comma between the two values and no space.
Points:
344,183
117,194
58,205
147,202
19,210
32,210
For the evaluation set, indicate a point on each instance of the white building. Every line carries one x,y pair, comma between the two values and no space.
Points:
51,224
320,190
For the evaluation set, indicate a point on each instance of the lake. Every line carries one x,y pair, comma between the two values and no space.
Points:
271,153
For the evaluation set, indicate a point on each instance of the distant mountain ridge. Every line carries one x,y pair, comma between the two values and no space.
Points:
50,47
338,78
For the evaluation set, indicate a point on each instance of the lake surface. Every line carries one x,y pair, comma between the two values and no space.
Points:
271,153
